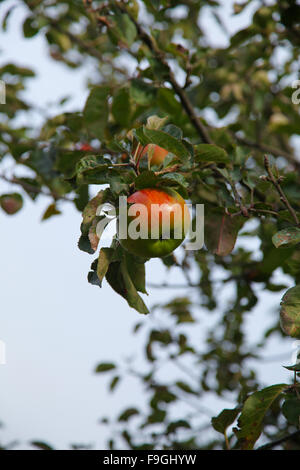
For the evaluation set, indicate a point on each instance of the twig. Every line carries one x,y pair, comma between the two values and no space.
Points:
160,56
278,152
33,189
276,183
270,445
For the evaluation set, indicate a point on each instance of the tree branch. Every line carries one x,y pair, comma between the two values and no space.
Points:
276,184
270,445
160,56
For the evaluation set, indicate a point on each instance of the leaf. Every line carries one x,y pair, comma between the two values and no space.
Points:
221,422
29,27
127,414
291,410
94,169
185,387
104,367
173,426
104,259
167,142
119,279
141,92
136,270
290,312
124,29
121,107
220,232
210,153
84,244
132,297
174,131
95,112
168,103
41,445
295,367
114,382
50,211
287,237
147,179
90,210
253,412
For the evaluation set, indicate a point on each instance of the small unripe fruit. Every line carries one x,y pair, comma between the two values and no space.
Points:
11,203
158,153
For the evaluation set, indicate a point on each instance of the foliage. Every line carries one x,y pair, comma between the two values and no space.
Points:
241,164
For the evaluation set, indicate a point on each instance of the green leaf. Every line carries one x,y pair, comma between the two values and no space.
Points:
141,92
290,312
210,153
94,169
119,279
95,112
147,179
132,297
221,422
114,382
291,410
84,244
127,414
168,103
253,412
186,388
30,28
124,30
11,203
295,367
104,367
220,232
287,237
167,142
41,445
121,107
136,270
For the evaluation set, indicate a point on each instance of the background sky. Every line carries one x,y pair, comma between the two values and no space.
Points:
56,326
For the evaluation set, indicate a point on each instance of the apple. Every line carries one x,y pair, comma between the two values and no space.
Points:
158,153
162,214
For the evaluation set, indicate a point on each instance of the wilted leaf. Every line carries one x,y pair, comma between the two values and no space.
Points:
50,211
287,237
104,259
290,312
